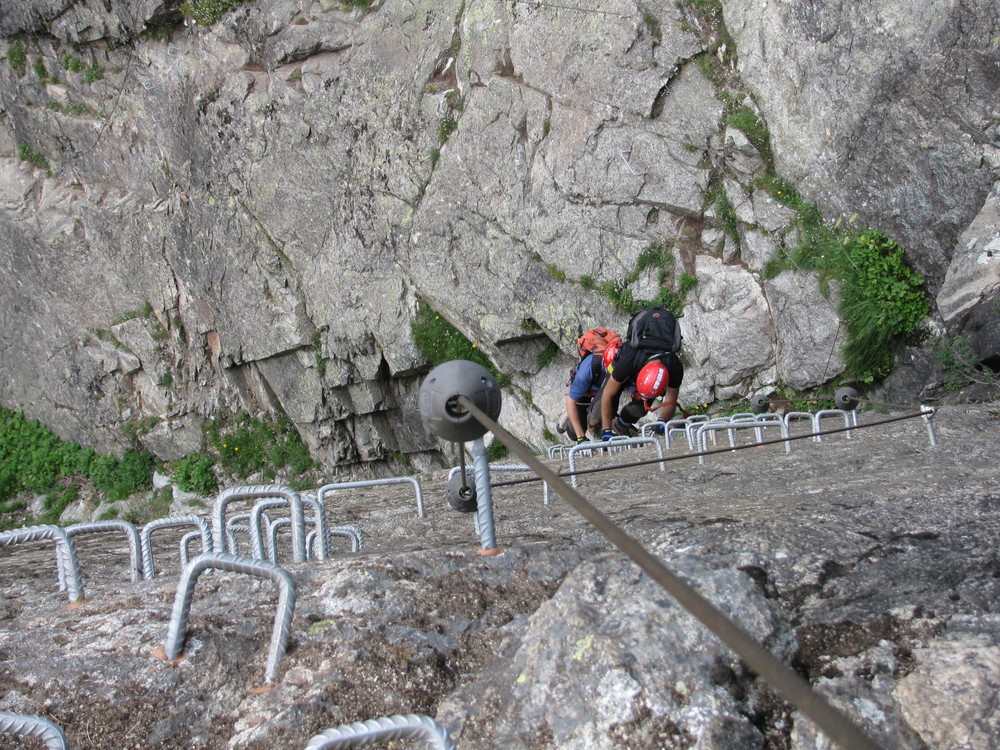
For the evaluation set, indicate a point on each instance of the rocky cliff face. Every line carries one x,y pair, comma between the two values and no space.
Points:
198,220
884,111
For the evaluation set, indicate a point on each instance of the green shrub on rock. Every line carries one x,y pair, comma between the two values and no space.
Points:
119,479
35,459
194,474
882,298
17,57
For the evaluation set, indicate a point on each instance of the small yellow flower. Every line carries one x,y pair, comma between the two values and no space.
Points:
473,346
236,448
224,445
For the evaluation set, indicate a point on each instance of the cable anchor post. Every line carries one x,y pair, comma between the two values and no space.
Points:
928,413
461,465
443,412
484,499
460,495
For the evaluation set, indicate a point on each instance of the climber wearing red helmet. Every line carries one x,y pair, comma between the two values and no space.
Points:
651,382
586,379
648,363
610,355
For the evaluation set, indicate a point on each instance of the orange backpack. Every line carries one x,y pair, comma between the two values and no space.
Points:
595,341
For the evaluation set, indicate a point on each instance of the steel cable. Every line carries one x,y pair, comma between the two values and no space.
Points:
712,452
557,6
906,407
834,723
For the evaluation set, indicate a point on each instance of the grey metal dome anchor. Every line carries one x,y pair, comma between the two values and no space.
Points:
443,415
461,496
438,401
760,403
846,398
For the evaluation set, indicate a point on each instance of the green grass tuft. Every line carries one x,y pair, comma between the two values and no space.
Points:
93,73
28,154
17,56
547,354
746,121
619,291
268,445
882,298
72,63
686,282
34,459
207,12
497,451
438,341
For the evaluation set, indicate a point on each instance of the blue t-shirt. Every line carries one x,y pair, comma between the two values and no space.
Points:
584,384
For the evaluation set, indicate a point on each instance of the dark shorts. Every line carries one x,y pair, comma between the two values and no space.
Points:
632,412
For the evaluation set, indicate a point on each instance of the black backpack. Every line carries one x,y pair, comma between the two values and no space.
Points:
654,328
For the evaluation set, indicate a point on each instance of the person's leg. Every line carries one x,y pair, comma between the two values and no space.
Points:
583,414
608,397
624,421
632,412
595,413
594,417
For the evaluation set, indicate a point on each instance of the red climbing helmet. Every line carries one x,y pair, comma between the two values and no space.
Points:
610,354
652,380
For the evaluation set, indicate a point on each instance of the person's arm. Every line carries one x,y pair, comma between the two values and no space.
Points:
578,390
573,412
669,405
609,399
